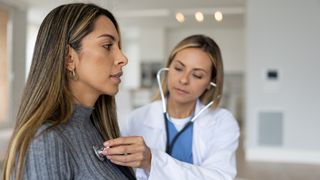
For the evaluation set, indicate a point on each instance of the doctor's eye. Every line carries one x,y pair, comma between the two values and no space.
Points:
178,68
197,76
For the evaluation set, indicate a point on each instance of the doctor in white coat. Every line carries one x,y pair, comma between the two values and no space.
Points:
190,140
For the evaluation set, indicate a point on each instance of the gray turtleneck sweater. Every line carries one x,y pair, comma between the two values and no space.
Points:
66,152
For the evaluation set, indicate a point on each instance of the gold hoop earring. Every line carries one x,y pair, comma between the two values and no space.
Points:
74,75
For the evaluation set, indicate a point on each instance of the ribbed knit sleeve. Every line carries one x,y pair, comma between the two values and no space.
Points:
66,152
48,158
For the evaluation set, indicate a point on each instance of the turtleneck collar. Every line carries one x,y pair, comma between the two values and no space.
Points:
81,113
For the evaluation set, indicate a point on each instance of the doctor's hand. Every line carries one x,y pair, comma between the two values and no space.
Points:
128,151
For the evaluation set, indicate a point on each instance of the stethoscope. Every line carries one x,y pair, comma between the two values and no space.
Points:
169,146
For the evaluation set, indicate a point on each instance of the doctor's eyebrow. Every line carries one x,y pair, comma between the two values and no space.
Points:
195,69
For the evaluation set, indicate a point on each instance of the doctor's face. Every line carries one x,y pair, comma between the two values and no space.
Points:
189,75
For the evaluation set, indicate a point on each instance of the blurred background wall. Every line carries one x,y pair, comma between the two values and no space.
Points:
282,84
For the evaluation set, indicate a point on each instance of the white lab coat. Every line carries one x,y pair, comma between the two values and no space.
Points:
215,140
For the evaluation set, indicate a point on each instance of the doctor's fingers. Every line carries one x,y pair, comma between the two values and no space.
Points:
134,164
126,149
135,159
124,140
141,159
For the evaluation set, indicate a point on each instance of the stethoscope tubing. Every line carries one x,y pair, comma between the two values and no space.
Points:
164,108
163,99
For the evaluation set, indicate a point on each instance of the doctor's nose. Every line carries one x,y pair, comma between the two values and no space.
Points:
184,78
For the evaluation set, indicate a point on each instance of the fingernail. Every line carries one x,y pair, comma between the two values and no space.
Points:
106,144
104,152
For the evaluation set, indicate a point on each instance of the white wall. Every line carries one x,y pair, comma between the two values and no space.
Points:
152,42
140,44
17,59
32,31
284,35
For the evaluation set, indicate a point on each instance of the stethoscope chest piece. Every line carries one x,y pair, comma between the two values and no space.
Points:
98,152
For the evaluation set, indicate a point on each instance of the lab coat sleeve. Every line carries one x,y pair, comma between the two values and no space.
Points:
219,163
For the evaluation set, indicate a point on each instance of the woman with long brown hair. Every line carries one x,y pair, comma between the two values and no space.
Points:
68,104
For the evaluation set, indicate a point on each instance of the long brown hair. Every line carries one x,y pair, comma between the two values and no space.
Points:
46,96
211,48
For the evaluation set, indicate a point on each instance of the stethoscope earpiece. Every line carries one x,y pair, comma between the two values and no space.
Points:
213,84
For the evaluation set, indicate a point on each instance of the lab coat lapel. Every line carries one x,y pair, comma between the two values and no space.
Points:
202,119
154,120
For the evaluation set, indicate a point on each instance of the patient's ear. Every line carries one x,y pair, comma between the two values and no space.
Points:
71,58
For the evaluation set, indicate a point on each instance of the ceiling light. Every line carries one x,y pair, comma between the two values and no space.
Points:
199,16
180,17
218,16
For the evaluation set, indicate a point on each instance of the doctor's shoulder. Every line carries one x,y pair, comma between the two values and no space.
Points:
221,116
149,110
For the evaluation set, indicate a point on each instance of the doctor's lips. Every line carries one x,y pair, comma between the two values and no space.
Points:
181,91
116,76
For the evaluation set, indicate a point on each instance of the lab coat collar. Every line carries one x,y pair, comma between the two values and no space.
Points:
156,112
203,115
199,106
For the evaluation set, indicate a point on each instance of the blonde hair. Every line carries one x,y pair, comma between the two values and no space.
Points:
46,97
210,47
